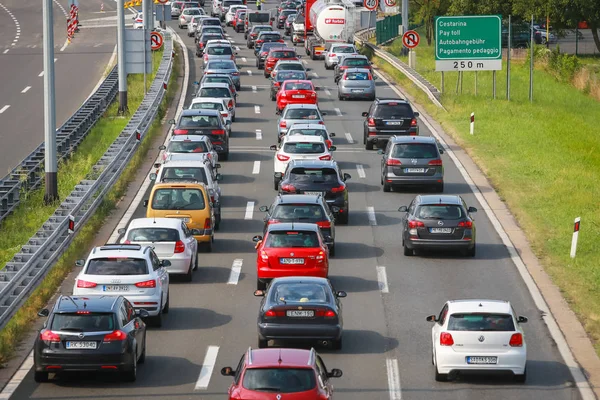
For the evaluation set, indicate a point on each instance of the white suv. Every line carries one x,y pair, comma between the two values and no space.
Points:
129,270
298,147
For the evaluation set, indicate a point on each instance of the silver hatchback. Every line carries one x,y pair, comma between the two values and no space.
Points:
298,113
224,67
357,83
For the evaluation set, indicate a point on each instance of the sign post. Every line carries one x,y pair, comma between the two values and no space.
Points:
410,40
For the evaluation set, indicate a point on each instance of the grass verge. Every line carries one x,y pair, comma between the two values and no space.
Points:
543,158
27,314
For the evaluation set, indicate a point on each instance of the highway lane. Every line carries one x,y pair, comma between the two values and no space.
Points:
379,327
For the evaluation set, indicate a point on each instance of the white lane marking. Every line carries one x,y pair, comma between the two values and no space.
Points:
349,138
327,92
61,8
6,107
393,379
237,48
98,44
64,46
253,89
5,51
56,59
210,359
256,168
382,279
41,74
26,89
338,111
315,75
258,134
17,378
361,171
18,27
249,72
236,269
249,210
244,59
371,215
257,109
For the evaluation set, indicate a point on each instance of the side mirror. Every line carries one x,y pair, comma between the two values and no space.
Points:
162,147
217,165
153,176
365,114
145,203
416,114
142,313
522,319
332,134
196,232
403,209
259,293
43,312
277,112
272,18
341,294
375,78
227,371
472,209
80,263
263,208
157,165
171,121
219,177
165,263
121,231
347,176
332,148
273,147
441,149
335,373
257,238
324,113
431,318
380,151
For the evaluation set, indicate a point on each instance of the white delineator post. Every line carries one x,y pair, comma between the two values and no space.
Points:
575,236
472,128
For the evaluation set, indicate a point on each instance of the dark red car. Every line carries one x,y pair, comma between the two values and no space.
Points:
276,55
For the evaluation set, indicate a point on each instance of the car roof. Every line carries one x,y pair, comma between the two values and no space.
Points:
260,26
191,163
298,105
119,250
215,85
93,303
297,81
349,56
297,358
155,223
314,164
413,139
283,48
290,62
199,111
479,305
308,279
439,199
364,70
219,42
299,198
220,61
196,100
308,126
390,100
303,138
163,185
189,138
288,226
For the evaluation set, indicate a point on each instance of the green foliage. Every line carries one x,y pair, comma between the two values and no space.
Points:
563,66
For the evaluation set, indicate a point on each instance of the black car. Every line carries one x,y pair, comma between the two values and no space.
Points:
90,333
207,29
308,208
300,308
204,122
284,76
264,52
287,26
438,222
253,34
267,37
283,16
351,61
201,43
386,118
319,177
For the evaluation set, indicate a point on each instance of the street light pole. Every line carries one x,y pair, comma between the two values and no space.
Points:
404,22
49,106
121,56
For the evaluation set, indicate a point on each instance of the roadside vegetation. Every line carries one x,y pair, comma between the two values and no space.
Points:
32,214
543,158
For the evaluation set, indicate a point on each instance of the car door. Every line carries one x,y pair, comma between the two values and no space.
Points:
161,276
410,212
322,379
386,155
137,325
127,324
439,325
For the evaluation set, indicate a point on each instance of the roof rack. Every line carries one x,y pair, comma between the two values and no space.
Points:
110,246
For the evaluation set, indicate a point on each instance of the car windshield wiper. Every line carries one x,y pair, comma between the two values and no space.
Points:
267,389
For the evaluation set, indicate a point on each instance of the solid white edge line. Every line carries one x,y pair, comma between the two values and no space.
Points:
382,279
41,74
236,269
578,375
393,376
361,171
349,138
26,89
249,210
210,359
257,109
256,168
17,378
338,111
6,107
371,215
258,134
64,46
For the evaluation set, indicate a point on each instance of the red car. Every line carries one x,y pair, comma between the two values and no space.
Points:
238,20
290,249
288,374
296,92
276,55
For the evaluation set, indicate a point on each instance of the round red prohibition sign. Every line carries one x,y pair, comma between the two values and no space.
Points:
410,39
371,4
390,3
156,40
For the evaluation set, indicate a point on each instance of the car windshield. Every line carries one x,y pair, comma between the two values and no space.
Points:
481,322
357,76
440,211
117,266
279,239
314,175
187,147
153,235
302,113
221,65
298,212
283,54
219,51
198,121
279,380
217,92
290,66
393,110
299,293
208,106
172,174
298,86
285,75
356,62
178,199
92,322
304,148
414,150
308,132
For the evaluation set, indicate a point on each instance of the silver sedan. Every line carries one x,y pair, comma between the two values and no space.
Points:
357,83
224,67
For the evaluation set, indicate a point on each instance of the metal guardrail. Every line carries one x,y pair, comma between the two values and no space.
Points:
29,174
362,37
25,271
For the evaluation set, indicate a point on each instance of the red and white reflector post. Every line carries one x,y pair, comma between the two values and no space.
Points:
71,224
575,236
472,128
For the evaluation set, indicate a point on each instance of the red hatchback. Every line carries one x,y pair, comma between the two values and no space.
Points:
276,55
296,92
290,249
272,374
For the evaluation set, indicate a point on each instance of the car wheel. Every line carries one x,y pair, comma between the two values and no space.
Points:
167,304
387,188
332,250
439,187
260,285
343,218
131,375
368,145
472,251
337,344
407,252
224,156
40,376
196,260
188,276
521,378
143,355
263,343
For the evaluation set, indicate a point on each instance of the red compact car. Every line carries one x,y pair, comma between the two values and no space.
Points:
296,92
276,55
270,374
290,249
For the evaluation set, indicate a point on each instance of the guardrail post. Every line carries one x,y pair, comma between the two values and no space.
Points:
472,126
575,236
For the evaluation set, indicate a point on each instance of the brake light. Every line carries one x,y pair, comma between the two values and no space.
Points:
206,57
321,123
225,115
415,224
49,336
282,157
85,284
264,256
371,122
313,94
207,223
344,67
324,224
259,42
288,188
115,336
435,162
235,74
392,161
320,256
180,131
332,55
82,312
201,44
446,339
516,340
280,41
465,224
326,314
413,122
230,104
338,189
272,314
329,143
218,132
277,84
325,157
179,247
283,124
147,284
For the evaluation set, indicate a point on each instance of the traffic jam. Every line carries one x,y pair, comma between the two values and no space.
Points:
271,88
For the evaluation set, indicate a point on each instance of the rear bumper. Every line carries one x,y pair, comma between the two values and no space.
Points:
79,361
374,135
266,274
461,244
349,94
206,237
450,361
271,331
392,179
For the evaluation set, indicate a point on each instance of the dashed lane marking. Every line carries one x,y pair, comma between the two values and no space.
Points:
244,59
26,89
41,74
250,72
17,26
256,168
315,75
249,210
338,111
349,138
208,366
253,89
5,51
361,171
371,215
393,379
258,134
6,107
382,279
327,92
257,109
17,378
236,269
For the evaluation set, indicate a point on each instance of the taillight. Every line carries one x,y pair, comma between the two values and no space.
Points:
115,336
329,143
313,94
371,122
324,224
206,57
233,58
338,189
218,132
230,104
326,314
85,284
435,162
264,256
207,223
201,44
332,55
320,256
127,242
49,336
321,123
277,84
280,41
325,157
179,247
283,124
446,339
235,73
282,157
344,67
272,314
413,122
465,224
516,340
147,284
288,188
180,131
392,161
415,224
225,115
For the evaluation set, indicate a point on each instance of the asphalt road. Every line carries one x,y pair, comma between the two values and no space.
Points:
379,327
78,68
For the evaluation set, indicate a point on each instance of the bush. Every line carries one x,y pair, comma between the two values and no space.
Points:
563,66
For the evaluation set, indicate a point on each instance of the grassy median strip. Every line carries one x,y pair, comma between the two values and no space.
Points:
543,158
21,322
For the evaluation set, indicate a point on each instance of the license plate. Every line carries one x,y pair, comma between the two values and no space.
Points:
314,193
394,123
301,314
357,90
115,288
482,360
440,230
81,345
414,170
298,96
292,260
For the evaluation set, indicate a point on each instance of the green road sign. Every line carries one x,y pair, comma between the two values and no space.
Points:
468,43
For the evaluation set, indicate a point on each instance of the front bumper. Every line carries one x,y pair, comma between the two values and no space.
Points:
272,331
450,361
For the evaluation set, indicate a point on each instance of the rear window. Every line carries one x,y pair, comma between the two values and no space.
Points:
117,266
357,76
314,175
153,235
92,322
217,79
414,150
219,51
440,211
285,75
299,212
259,17
393,110
308,132
228,3
356,62
279,239
283,54
298,86
288,12
344,50
212,29
269,36
199,121
304,148
193,11
221,65
299,293
174,174
211,36
187,147
279,380
302,113
178,199
214,22
481,322
291,66
214,92
208,106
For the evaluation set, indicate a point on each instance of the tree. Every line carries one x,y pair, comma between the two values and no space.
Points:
426,11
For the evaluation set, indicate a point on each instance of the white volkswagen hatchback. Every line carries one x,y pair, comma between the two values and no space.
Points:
129,270
478,335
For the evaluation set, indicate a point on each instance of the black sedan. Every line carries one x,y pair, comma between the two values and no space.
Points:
263,52
300,308
91,333
438,222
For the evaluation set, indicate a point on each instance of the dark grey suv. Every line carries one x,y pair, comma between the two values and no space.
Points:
412,160
388,117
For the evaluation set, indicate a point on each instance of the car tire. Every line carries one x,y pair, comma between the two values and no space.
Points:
143,355
188,276
387,188
40,376
337,344
167,306
131,375
439,187
272,97
263,343
472,251
196,260
260,285
332,250
440,377
521,378
368,145
407,251
276,184
343,219
224,156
